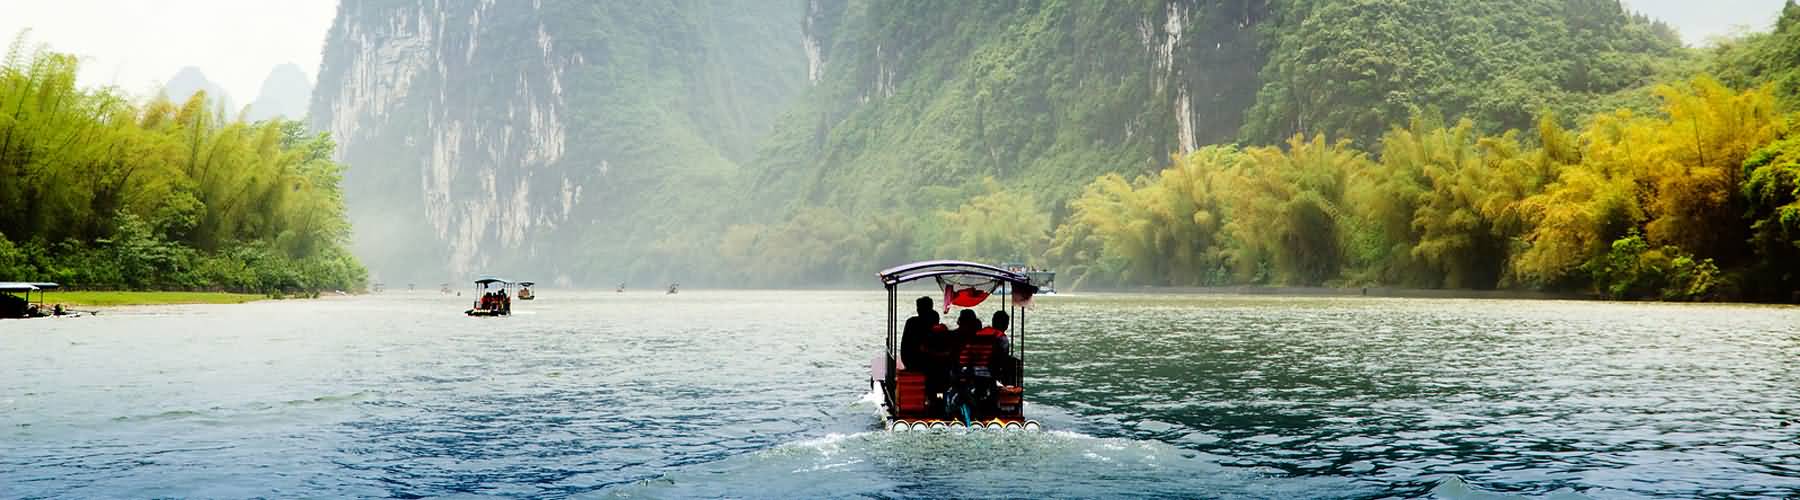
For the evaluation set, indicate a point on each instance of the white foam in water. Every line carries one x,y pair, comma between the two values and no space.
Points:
1455,488
1057,463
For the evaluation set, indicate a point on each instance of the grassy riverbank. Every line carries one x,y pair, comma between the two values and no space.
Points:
97,298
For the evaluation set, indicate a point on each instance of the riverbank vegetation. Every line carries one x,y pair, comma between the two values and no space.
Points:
1646,170
1628,205
102,192
129,298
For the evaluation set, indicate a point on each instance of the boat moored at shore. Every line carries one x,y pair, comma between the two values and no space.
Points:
20,306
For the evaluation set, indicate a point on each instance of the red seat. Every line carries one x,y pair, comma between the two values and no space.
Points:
1008,399
909,392
978,353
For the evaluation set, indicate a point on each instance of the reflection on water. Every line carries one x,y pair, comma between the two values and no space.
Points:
765,394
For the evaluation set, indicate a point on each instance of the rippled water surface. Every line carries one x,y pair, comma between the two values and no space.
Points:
765,394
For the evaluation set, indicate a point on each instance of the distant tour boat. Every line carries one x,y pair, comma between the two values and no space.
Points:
525,292
1044,279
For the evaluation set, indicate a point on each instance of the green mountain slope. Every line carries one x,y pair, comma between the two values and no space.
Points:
1040,94
915,104
1351,69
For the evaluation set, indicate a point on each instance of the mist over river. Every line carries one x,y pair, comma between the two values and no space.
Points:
766,394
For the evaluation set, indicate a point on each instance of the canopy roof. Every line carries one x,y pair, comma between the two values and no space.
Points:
935,268
19,286
527,283
490,279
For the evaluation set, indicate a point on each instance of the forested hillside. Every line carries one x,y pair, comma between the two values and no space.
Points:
924,120
1352,69
101,191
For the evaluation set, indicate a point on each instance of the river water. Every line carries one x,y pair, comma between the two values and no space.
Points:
765,394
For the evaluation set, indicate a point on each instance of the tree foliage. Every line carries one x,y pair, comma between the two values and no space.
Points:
102,192
1695,202
1352,68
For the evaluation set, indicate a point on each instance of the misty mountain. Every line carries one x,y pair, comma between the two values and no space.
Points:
189,80
285,93
598,143
550,139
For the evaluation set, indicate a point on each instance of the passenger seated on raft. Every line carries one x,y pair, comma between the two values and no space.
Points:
915,354
968,331
967,324
1003,364
940,348
972,378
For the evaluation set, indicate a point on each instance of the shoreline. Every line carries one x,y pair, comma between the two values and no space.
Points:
93,298
1381,292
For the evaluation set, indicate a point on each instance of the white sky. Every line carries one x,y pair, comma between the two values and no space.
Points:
137,44
1699,20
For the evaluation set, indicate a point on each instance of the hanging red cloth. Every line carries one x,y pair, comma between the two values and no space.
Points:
963,297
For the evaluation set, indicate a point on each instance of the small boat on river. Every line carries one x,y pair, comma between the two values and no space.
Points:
980,386
1045,279
21,306
525,292
491,298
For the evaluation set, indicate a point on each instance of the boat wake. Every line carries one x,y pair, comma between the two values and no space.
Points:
1454,488
1051,463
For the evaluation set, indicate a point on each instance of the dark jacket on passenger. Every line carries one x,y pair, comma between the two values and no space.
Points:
915,341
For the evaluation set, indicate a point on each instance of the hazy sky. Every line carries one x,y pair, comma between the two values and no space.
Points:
136,44
1699,20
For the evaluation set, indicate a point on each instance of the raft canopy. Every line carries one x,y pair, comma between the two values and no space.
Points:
17,287
488,280
896,275
527,283
20,286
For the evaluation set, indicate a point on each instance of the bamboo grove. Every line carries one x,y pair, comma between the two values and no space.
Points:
1696,202
98,191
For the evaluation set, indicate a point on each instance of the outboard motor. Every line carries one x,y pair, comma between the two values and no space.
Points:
971,396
